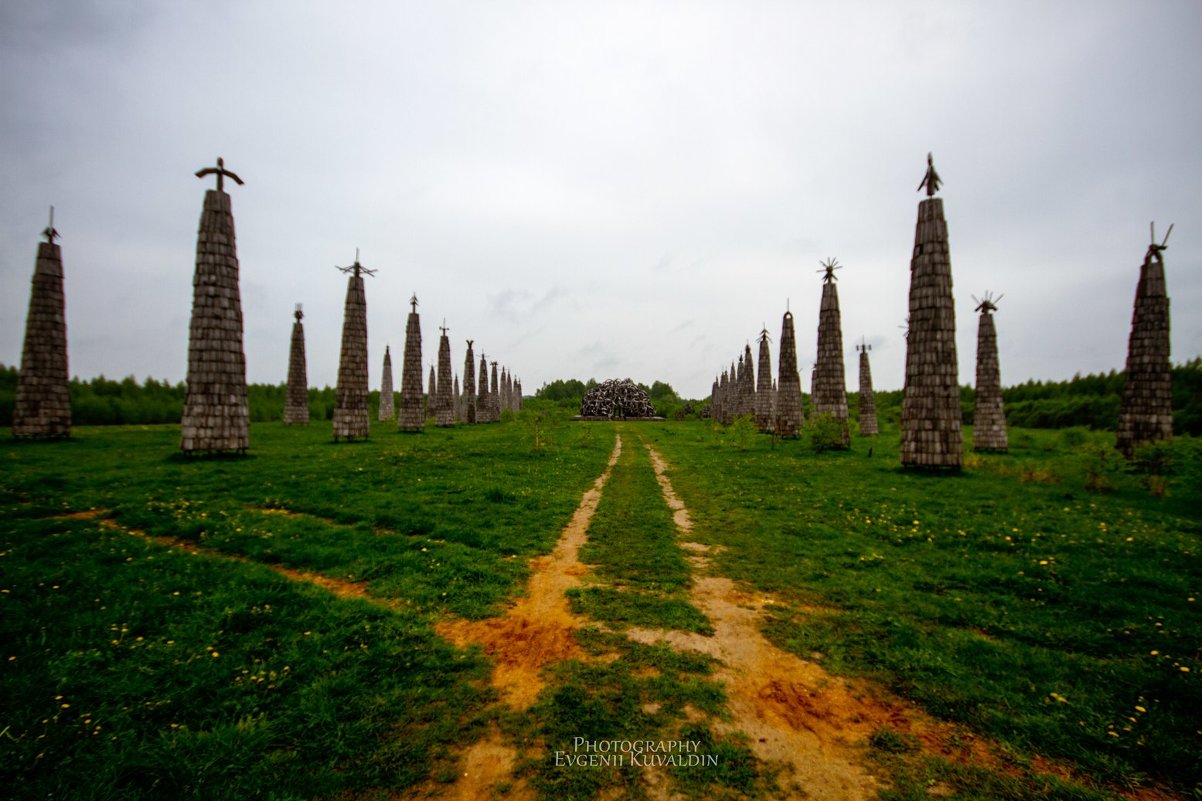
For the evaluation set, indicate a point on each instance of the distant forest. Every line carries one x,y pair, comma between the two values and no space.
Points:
1091,401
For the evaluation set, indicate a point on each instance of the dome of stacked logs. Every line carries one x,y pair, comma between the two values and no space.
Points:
616,400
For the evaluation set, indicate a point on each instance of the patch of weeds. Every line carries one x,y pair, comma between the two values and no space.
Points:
634,608
891,742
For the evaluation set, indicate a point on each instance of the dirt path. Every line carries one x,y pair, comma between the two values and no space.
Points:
795,714
535,632
339,587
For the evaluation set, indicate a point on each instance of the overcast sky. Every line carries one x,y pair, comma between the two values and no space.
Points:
602,189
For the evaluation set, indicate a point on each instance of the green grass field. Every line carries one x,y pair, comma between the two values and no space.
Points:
1046,599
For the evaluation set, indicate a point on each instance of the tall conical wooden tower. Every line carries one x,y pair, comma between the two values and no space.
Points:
42,407
411,416
483,401
351,420
387,409
216,418
830,381
494,395
444,408
747,390
788,398
931,436
469,385
763,390
988,417
296,404
868,424
431,392
1146,413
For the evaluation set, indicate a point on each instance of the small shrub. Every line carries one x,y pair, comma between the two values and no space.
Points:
740,432
1095,473
826,433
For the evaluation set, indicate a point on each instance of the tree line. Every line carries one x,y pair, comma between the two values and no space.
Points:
1091,401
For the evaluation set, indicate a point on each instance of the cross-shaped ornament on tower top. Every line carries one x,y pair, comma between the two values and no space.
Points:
413,302
443,328
221,172
51,232
356,268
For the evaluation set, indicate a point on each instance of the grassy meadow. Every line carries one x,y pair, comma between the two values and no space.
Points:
1045,598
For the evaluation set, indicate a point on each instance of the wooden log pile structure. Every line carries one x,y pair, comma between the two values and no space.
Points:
444,400
296,402
216,418
868,424
387,409
988,417
351,420
411,416
931,435
763,389
789,417
616,399
42,406
830,387
1146,410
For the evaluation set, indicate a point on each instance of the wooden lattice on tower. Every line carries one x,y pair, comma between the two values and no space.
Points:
763,390
351,420
411,416
296,404
988,417
469,385
42,406
216,418
494,395
830,382
788,396
931,435
387,409
868,424
747,388
444,405
483,401
1146,413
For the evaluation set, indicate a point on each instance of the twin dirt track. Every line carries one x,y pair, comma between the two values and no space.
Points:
808,725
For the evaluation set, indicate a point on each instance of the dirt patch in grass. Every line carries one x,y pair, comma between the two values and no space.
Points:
537,630
339,587
485,772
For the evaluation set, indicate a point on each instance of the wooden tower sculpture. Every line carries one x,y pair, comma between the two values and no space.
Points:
868,424
494,395
788,398
411,416
988,417
763,390
931,436
444,406
387,400
216,418
483,404
431,392
747,389
469,385
351,419
1146,412
296,404
42,406
830,382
